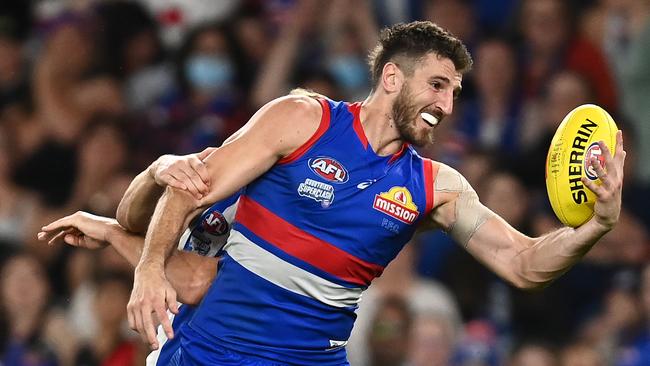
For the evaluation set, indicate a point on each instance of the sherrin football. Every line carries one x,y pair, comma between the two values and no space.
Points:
573,145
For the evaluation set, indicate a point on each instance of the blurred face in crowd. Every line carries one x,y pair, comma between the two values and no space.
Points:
645,292
566,91
23,285
10,61
209,67
431,88
140,50
581,355
346,62
533,355
453,15
507,197
495,69
389,335
431,341
621,310
544,25
111,300
103,147
70,49
5,167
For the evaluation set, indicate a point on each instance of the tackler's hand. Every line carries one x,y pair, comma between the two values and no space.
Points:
80,229
187,172
608,194
152,293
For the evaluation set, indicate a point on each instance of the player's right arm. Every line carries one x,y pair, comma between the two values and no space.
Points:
275,131
528,263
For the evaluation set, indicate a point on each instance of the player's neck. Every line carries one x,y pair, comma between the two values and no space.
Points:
378,125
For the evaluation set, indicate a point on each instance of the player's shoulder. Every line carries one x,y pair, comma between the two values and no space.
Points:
296,107
288,122
449,179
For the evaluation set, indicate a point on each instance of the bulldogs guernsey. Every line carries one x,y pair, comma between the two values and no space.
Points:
206,236
309,236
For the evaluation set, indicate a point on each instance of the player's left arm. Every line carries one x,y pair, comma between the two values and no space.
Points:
189,273
526,262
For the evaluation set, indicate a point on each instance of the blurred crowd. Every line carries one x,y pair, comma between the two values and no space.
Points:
92,91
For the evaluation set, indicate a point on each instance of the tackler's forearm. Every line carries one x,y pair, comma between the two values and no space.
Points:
170,217
138,203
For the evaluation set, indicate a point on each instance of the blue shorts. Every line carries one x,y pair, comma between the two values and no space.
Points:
197,353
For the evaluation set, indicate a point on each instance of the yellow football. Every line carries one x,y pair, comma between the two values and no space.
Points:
573,145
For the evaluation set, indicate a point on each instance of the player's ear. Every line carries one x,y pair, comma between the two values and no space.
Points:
392,78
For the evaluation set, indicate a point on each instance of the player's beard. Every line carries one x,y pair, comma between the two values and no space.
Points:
406,115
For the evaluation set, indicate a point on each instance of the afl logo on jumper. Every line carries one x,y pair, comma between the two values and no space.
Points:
397,203
594,151
214,223
329,169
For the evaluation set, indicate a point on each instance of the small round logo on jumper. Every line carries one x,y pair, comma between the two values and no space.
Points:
329,169
214,223
593,150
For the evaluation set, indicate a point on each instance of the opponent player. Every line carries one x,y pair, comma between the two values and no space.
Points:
332,193
205,236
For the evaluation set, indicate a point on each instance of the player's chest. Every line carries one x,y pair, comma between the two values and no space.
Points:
354,193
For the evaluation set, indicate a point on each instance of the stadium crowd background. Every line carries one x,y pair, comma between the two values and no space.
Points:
91,92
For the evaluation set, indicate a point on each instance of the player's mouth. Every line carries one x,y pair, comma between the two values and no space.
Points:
429,119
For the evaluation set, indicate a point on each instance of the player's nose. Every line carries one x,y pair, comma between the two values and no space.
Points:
446,102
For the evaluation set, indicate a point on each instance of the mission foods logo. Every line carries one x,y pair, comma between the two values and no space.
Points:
329,169
397,203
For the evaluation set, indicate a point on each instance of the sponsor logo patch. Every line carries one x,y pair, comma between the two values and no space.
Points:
329,169
593,150
214,223
337,344
318,191
366,184
397,203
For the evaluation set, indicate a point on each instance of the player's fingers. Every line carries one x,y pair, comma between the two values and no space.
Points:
193,182
201,169
130,317
172,181
57,224
205,153
619,142
150,329
604,177
195,178
609,161
598,190
161,313
73,239
59,235
47,235
170,299
133,311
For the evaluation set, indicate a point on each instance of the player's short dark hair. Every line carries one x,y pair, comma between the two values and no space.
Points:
411,42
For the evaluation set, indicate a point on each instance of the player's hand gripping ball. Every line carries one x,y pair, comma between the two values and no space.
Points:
574,144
